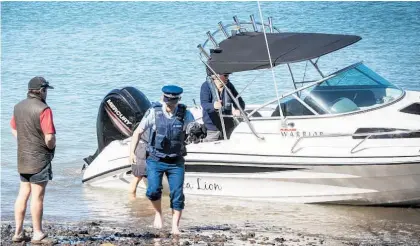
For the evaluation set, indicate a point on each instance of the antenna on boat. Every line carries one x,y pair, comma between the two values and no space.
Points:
271,65
211,38
254,25
204,52
223,29
270,23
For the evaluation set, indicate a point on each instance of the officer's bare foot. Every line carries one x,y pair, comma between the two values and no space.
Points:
132,196
175,230
158,221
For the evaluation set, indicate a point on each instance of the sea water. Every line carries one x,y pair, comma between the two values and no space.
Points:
86,49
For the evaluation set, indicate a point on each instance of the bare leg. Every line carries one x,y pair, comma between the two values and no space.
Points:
176,217
158,214
37,205
20,205
133,186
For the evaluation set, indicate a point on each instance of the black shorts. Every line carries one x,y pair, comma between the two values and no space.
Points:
139,169
43,176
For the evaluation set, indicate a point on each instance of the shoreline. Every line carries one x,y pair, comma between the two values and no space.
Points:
109,233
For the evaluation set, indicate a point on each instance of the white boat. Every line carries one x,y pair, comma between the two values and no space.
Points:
350,137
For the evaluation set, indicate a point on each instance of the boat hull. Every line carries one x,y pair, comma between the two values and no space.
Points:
306,163
363,184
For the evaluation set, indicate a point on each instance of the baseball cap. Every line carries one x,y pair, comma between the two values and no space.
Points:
37,83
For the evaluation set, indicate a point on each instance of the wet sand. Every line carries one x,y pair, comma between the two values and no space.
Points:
99,232
113,219
107,233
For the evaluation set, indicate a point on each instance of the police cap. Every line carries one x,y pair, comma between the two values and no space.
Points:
171,93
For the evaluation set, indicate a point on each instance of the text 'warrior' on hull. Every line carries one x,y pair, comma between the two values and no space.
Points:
350,137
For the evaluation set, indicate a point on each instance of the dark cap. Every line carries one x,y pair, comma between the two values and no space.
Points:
37,83
209,72
171,93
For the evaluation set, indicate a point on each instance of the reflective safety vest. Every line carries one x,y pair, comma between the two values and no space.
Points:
167,140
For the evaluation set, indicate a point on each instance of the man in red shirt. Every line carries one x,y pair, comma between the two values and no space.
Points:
32,124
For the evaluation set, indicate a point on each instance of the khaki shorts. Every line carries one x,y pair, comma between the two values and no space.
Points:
139,169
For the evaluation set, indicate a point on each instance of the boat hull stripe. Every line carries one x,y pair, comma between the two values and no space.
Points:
106,172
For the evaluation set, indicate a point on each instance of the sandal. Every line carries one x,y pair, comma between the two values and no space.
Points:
42,239
20,238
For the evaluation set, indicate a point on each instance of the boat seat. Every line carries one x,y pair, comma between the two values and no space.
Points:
254,115
291,107
361,97
276,112
343,105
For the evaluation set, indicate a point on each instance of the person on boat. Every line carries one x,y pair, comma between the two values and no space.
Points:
168,120
32,124
211,104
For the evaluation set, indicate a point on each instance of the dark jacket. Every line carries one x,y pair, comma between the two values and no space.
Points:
211,116
33,153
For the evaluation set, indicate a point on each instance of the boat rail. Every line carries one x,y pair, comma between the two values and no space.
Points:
353,150
235,100
238,26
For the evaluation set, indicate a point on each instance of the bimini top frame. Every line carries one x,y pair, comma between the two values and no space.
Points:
245,48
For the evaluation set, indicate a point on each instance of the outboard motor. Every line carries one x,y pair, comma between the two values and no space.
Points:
119,114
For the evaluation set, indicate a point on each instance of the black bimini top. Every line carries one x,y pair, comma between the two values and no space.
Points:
247,51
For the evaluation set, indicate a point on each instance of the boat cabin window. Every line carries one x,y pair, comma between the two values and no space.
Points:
352,89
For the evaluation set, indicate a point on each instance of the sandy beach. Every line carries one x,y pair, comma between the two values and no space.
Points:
108,233
100,233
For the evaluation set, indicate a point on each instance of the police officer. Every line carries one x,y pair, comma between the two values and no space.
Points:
168,120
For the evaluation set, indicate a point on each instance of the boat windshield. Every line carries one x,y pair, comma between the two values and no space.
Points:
352,89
